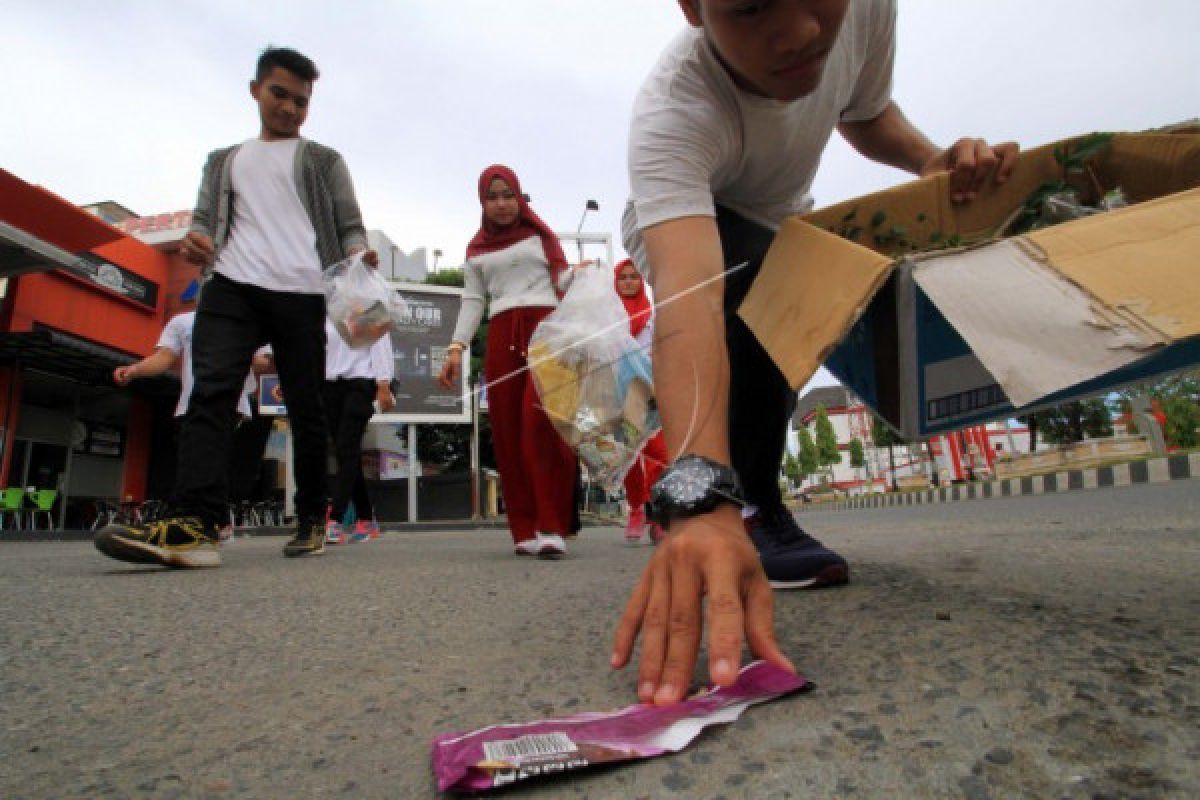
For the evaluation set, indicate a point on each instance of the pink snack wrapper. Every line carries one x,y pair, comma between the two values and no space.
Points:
501,755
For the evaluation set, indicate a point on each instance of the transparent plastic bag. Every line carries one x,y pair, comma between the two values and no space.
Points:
359,302
593,378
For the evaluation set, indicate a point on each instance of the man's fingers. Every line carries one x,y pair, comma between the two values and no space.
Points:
630,623
683,635
760,625
654,634
725,625
962,167
1007,152
985,163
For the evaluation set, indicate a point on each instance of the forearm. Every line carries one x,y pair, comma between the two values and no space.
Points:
691,364
890,139
156,363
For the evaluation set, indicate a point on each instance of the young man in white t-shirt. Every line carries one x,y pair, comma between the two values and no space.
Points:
174,352
271,213
358,382
726,136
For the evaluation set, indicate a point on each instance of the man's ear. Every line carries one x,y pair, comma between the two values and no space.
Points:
691,10
254,89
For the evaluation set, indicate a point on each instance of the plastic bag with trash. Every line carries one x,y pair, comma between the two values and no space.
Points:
359,302
593,378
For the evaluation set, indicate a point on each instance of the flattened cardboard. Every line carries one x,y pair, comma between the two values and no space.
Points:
1130,280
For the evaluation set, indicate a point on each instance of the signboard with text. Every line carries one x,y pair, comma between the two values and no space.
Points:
116,279
419,343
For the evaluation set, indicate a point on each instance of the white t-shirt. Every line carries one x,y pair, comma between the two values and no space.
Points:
376,362
696,138
272,242
517,276
176,336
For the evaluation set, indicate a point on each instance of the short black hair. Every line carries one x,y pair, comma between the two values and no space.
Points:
293,61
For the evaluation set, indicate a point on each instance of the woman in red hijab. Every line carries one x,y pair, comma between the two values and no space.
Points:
516,265
653,458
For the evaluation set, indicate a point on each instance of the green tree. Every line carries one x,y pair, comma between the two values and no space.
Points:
791,469
827,446
1177,397
807,459
1072,422
883,435
858,458
1183,418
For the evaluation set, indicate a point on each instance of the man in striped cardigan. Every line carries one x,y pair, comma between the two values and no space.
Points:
271,214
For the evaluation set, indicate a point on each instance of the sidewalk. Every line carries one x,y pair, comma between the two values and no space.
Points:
1155,470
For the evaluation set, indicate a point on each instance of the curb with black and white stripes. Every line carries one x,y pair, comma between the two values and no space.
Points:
1155,470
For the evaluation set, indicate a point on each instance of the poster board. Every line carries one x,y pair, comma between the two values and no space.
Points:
419,345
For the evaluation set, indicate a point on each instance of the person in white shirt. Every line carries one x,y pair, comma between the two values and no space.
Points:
358,382
271,214
173,352
725,138
516,264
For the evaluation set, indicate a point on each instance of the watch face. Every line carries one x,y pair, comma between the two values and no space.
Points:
688,482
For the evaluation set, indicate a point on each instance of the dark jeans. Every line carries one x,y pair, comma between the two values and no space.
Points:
232,321
348,409
760,399
245,466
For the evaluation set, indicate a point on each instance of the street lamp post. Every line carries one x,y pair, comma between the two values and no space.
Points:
436,255
591,205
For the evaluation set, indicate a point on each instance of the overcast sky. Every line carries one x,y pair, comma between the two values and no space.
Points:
122,100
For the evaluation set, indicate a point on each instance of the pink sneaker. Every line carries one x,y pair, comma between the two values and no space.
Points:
636,527
362,532
334,533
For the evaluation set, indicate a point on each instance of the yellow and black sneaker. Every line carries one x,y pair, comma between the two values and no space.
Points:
309,539
184,542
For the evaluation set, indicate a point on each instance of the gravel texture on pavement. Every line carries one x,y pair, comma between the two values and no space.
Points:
1044,647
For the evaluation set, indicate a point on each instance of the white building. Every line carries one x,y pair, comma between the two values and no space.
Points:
394,263
955,456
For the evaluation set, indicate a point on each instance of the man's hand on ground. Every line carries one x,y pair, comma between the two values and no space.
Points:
705,556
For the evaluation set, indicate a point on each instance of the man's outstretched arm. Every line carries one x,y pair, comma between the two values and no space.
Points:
710,554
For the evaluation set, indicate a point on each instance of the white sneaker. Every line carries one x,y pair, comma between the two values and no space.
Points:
550,545
225,533
527,547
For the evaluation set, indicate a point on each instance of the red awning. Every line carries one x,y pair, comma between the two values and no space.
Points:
39,229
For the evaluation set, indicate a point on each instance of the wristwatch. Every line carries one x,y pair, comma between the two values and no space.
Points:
693,485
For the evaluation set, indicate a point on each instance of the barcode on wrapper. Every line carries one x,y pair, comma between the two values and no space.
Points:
529,746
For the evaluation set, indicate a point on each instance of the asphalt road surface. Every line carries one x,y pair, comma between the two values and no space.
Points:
1044,647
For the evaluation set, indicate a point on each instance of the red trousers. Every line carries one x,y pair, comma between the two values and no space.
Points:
537,468
645,471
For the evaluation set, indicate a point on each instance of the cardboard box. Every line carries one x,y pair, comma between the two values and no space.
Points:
937,340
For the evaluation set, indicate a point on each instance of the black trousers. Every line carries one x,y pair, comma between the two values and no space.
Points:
245,464
760,399
348,409
232,321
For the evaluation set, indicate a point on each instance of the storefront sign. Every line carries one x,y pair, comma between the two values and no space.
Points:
419,344
170,221
126,283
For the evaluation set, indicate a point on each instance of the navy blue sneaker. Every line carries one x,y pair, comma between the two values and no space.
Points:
791,558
